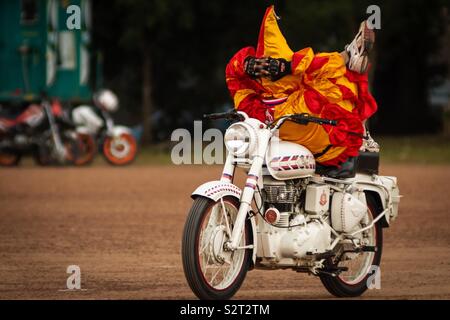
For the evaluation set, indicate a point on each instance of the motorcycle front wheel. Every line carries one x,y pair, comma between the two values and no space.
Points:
120,150
362,266
86,149
212,272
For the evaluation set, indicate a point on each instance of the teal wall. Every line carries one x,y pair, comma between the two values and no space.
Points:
38,37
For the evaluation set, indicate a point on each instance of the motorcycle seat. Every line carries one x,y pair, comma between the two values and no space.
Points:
365,162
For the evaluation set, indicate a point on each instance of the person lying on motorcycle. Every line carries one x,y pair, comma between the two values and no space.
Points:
273,81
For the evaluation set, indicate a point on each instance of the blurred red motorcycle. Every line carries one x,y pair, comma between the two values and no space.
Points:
40,130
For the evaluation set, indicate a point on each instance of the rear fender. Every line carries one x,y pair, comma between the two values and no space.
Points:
385,192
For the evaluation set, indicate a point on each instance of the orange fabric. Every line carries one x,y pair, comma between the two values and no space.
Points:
319,85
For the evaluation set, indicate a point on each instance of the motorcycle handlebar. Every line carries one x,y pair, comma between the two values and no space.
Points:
301,118
229,115
305,118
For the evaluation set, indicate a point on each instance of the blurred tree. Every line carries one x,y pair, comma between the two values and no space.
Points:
167,59
406,69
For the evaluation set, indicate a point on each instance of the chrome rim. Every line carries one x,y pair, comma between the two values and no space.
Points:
360,264
120,147
219,268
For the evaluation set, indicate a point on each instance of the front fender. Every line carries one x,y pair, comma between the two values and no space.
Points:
118,130
215,190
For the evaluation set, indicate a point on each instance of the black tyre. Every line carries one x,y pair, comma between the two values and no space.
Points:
9,158
353,283
87,149
204,262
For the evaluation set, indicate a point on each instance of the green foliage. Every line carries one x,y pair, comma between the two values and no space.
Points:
190,43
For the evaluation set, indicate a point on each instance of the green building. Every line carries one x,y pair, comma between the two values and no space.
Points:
45,47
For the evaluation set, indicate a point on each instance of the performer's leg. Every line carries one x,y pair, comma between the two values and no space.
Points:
369,144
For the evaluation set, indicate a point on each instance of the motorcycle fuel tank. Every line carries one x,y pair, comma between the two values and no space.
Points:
287,160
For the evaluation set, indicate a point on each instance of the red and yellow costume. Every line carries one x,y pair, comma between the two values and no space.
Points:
320,85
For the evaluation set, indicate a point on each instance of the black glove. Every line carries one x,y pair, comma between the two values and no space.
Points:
267,67
278,68
256,67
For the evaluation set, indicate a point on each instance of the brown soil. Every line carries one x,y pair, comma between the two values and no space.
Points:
123,227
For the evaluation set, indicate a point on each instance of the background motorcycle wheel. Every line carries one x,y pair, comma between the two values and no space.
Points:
210,238
339,286
86,150
9,158
43,155
121,150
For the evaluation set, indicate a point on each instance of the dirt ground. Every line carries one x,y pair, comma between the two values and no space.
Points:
122,227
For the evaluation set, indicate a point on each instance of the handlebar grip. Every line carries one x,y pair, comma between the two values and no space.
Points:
232,115
330,122
304,118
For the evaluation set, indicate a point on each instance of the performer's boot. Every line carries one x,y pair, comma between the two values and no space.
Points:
369,144
356,54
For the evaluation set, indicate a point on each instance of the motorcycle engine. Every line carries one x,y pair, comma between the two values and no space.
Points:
292,234
285,196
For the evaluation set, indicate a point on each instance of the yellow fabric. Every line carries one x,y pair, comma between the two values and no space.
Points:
275,44
241,95
318,79
312,135
332,153
307,55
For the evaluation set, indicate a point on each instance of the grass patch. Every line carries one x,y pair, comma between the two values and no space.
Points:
415,149
427,149
424,149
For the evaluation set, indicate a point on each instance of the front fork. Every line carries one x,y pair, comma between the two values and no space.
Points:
249,189
109,123
61,151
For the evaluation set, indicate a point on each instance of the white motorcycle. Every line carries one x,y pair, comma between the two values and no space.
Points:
326,223
117,143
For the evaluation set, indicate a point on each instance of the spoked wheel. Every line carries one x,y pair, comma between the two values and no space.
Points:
120,150
86,149
9,158
212,272
354,281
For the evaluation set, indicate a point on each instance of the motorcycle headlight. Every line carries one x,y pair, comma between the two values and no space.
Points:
240,140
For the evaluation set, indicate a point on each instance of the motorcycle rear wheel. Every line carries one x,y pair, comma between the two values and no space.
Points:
204,262
9,158
346,285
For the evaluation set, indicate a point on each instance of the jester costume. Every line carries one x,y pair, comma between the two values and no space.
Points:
318,84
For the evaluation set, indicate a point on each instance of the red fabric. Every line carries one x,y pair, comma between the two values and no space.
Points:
349,131
296,59
260,47
316,64
366,105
